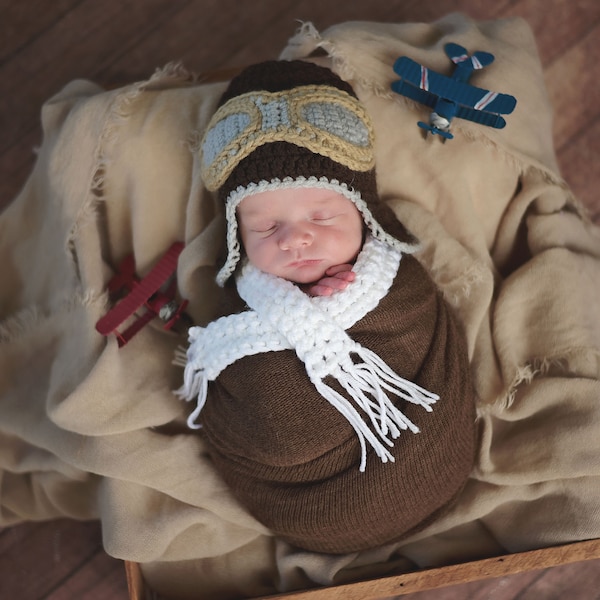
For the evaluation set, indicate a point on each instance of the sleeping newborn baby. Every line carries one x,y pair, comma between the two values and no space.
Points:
335,399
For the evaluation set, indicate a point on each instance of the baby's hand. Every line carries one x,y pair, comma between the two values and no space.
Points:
336,278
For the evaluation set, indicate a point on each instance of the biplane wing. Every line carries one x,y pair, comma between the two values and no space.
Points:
481,117
414,92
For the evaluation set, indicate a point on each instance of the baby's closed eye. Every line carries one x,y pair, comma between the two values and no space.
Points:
323,217
264,227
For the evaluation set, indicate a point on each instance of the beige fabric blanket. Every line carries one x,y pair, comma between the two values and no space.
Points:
88,430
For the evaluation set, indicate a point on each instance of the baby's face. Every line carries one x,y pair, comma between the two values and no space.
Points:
298,233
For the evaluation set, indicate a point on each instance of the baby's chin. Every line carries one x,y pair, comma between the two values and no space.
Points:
305,275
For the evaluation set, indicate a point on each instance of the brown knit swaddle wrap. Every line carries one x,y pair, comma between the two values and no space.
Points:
292,459
287,454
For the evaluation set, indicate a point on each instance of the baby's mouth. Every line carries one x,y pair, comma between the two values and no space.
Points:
304,262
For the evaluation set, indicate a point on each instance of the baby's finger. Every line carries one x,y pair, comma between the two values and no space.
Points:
320,290
335,269
347,276
335,283
328,285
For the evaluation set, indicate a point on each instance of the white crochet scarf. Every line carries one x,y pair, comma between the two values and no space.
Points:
282,316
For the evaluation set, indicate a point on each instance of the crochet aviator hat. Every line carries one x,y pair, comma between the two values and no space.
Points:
284,124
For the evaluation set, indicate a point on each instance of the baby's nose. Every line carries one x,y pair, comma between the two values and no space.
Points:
295,236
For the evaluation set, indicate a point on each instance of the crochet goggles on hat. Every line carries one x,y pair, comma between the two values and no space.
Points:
322,119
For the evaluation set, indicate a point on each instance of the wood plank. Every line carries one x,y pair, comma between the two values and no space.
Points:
265,47
201,37
550,583
16,164
81,43
102,578
500,588
18,26
578,162
556,25
566,582
320,14
426,12
36,557
574,87
454,574
97,33
135,580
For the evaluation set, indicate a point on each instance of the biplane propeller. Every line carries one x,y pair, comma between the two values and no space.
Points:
453,96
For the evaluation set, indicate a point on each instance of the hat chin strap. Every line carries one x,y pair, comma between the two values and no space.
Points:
281,316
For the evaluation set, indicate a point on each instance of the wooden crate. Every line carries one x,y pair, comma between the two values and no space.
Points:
417,581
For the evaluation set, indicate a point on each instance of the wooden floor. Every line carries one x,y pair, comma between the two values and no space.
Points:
44,45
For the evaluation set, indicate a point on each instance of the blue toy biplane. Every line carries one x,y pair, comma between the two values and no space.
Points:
453,96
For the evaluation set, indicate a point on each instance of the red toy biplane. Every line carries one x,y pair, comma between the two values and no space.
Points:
144,295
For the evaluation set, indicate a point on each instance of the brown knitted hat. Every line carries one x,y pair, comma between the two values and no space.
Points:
287,124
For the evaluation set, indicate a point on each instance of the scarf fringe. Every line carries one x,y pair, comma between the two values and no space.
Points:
195,386
366,382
